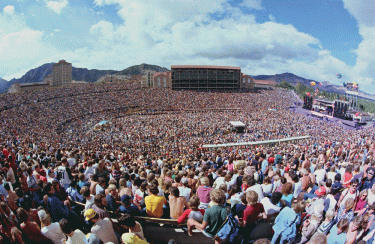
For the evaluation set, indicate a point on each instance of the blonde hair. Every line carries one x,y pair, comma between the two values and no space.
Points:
349,204
251,197
112,188
205,181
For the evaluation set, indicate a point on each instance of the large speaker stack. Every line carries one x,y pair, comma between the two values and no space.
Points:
307,103
340,110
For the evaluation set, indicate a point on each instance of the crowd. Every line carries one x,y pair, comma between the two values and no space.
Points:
64,182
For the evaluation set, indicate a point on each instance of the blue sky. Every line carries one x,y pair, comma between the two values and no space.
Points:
314,39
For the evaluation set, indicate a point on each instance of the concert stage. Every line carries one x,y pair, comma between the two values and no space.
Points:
346,124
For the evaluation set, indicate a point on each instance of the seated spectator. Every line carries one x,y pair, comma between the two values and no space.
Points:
346,211
271,205
203,192
177,203
311,224
127,206
112,203
134,227
100,187
50,230
73,193
286,199
30,230
354,229
337,235
85,192
154,203
124,190
100,203
129,238
192,213
285,226
74,237
327,224
82,181
251,213
102,228
239,208
140,194
11,198
214,217
185,191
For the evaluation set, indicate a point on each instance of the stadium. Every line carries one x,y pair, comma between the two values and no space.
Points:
137,162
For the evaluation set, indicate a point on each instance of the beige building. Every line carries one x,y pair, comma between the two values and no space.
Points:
264,84
61,74
247,82
162,80
148,79
27,87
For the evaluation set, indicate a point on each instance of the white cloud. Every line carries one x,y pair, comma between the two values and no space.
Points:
272,18
21,47
9,10
57,30
363,71
252,4
57,6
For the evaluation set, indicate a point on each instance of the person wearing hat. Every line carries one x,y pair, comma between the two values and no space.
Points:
128,207
130,238
102,228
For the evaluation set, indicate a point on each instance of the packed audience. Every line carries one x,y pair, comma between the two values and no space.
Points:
66,180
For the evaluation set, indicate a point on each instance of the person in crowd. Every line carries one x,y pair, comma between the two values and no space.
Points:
74,237
155,203
203,192
213,218
50,230
177,203
337,235
102,228
134,227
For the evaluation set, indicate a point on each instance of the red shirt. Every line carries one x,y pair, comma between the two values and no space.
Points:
250,215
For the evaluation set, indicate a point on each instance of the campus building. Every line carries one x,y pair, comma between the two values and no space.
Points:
203,77
61,74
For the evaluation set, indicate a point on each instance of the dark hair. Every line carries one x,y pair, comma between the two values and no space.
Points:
127,220
153,189
65,226
47,187
6,186
243,199
175,192
19,192
276,197
22,214
98,199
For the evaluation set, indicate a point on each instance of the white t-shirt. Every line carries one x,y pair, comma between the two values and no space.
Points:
103,229
63,175
348,196
267,188
331,175
90,202
71,162
269,208
370,197
54,233
319,174
329,203
257,189
185,192
77,238
10,175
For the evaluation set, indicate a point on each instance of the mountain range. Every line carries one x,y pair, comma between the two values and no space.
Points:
92,75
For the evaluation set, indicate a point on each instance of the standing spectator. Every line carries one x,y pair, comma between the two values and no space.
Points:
203,192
